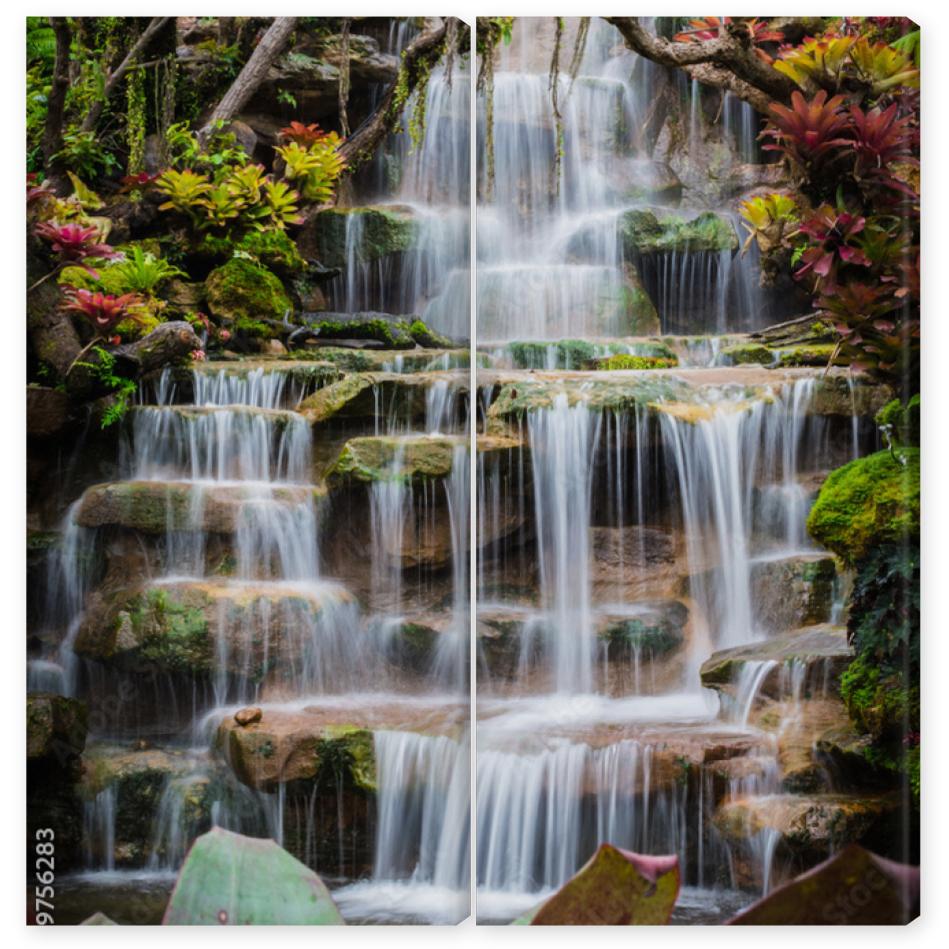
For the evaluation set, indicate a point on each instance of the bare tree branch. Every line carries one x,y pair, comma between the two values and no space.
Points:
728,61
139,47
252,75
417,59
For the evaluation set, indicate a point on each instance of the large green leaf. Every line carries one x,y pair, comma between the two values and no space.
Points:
235,880
615,888
852,888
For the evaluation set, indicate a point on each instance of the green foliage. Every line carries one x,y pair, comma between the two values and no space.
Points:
85,154
868,502
122,388
766,218
899,422
139,272
628,361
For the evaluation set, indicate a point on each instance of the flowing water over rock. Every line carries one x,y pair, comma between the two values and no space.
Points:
641,520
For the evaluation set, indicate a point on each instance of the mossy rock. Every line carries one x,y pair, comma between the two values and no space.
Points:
643,232
392,334
869,502
812,354
748,354
629,361
657,632
383,231
241,294
370,459
55,727
901,421
272,248
427,338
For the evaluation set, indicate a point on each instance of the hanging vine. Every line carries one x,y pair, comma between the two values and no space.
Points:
344,78
135,118
554,88
451,39
579,48
491,30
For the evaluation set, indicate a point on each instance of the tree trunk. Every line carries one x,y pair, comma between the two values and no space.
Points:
726,62
139,47
167,343
419,56
252,75
53,130
52,335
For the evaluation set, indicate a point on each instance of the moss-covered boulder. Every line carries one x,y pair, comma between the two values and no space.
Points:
622,361
241,294
372,232
869,502
644,232
271,248
154,507
381,328
197,628
55,727
747,353
136,779
410,459
284,748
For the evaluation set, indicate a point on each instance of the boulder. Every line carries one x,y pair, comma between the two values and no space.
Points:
792,592
241,294
645,232
201,627
646,630
155,507
55,728
49,412
414,459
822,649
282,748
372,233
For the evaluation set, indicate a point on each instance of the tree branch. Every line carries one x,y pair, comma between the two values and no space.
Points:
252,75
53,129
139,47
417,59
728,61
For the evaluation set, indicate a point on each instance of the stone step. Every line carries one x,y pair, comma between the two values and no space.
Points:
281,745
374,398
822,650
203,627
409,459
156,507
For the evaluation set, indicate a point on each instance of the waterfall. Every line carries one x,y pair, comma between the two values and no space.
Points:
563,440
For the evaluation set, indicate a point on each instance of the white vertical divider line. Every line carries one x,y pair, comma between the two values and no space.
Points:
473,463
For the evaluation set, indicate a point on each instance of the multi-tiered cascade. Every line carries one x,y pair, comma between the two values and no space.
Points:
659,642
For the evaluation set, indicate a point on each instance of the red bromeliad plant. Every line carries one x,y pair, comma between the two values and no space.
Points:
881,138
832,235
136,182
102,310
75,243
304,135
810,134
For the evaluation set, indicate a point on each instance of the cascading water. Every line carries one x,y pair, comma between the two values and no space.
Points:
637,519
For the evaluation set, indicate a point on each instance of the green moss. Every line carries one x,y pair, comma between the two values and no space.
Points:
643,232
272,248
426,337
371,459
866,503
900,421
653,639
348,752
627,361
391,335
748,353
171,634
809,354
244,293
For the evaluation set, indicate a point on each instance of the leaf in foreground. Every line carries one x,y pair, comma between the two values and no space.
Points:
229,879
615,888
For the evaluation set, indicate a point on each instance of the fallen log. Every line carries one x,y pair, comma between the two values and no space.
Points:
164,345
